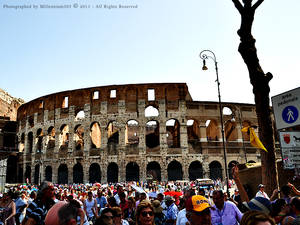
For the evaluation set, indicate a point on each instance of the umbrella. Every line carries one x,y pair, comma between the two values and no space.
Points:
173,193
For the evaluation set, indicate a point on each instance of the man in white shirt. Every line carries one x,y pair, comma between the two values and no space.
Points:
261,192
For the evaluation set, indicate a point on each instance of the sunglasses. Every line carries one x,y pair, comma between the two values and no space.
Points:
118,215
144,214
108,217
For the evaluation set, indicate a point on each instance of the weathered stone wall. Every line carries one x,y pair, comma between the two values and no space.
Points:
74,151
9,105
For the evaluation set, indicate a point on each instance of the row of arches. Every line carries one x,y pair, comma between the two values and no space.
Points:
153,171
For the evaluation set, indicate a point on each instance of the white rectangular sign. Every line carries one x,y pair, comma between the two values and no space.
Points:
286,107
290,149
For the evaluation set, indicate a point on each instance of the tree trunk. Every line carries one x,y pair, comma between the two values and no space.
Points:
261,90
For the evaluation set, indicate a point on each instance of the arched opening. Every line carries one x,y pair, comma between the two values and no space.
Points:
78,174
173,133
175,171
195,170
64,137
62,175
39,140
230,166
22,143
230,131
28,174
154,171
94,173
78,137
193,131
112,173
152,134
48,173
36,174
226,111
212,130
51,138
112,133
132,171
215,170
79,116
11,169
131,133
30,142
151,111
95,135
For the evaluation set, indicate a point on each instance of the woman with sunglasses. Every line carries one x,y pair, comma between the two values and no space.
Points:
118,216
144,213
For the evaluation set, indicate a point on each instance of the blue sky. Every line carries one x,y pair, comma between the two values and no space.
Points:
44,51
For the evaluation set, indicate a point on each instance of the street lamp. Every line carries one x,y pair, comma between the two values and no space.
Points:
203,55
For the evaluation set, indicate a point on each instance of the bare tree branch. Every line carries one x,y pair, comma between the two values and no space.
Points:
238,5
257,4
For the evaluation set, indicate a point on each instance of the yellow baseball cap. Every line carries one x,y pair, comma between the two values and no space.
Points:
199,203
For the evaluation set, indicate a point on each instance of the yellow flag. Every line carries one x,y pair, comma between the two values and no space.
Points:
254,140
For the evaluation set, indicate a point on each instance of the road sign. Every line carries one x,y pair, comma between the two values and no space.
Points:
290,149
286,107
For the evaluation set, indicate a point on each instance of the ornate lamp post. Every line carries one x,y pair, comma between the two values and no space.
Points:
203,55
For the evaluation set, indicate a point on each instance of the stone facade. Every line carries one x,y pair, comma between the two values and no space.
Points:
129,132
9,105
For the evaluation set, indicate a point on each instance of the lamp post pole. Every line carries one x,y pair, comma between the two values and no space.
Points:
203,55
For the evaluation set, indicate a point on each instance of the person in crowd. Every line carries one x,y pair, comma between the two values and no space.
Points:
37,210
8,209
224,212
172,210
295,206
21,204
143,196
123,202
256,218
111,202
129,214
279,212
101,200
160,197
198,210
118,216
32,197
106,217
159,217
261,192
237,199
144,213
90,207
181,218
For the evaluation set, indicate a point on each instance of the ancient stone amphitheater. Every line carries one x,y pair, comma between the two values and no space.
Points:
130,132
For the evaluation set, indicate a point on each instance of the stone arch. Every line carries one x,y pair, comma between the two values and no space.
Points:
175,171
77,173
36,174
30,142
112,172
231,164
193,130
112,133
151,111
246,135
51,138
95,134
152,134
48,173
212,130
173,133
195,170
132,132
132,171
78,137
94,173
27,174
11,169
22,142
230,131
215,170
154,170
62,174
39,140
64,137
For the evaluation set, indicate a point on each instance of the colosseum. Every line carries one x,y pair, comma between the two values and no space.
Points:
130,132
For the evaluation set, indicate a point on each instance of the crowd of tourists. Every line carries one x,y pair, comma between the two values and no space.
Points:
149,203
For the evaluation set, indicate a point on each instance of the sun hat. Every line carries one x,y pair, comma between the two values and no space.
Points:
197,203
157,208
259,204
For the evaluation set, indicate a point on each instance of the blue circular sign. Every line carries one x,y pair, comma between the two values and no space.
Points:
290,114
